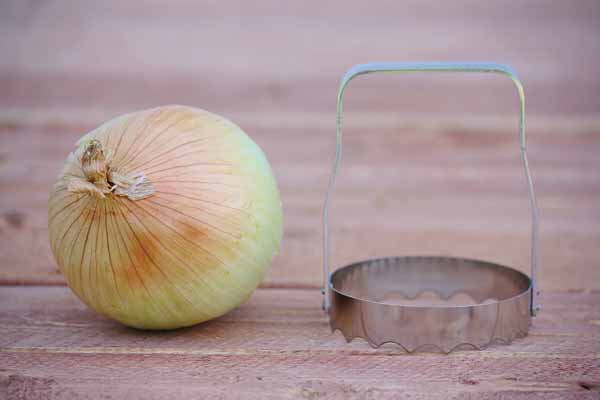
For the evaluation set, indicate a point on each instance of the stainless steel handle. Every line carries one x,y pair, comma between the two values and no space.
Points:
362,69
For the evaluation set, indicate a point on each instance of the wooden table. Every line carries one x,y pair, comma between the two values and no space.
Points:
431,167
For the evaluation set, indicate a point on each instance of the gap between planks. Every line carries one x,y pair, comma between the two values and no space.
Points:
44,283
284,353
263,286
567,124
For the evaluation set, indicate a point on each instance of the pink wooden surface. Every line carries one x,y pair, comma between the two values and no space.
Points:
431,166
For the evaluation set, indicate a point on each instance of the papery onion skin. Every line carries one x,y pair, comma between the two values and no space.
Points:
192,250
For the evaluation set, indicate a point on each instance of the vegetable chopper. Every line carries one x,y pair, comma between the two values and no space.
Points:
374,299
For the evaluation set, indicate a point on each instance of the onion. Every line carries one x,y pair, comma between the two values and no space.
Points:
165,218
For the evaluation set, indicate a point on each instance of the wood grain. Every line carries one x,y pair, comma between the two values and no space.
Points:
279,345
274,320
431,166
273,56
299,376
409,188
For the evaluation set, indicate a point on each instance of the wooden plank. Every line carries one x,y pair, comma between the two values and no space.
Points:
411,188
266,58
274,320
302,376
276,346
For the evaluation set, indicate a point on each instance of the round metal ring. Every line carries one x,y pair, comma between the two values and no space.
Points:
439,302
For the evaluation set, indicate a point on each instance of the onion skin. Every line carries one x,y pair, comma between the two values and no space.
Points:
192,249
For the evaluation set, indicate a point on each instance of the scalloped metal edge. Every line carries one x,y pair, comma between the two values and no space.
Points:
455,347
509,318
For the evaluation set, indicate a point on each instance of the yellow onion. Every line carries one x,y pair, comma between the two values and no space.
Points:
165,218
